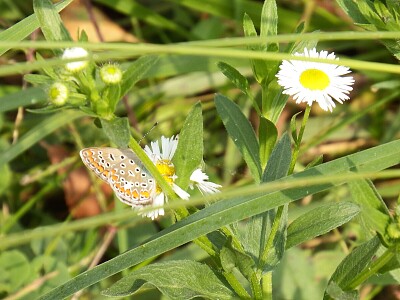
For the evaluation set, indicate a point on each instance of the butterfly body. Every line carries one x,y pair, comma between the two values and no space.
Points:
123,171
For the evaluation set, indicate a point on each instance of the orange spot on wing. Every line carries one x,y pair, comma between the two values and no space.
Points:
135,194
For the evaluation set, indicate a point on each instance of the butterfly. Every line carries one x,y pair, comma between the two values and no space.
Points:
123,171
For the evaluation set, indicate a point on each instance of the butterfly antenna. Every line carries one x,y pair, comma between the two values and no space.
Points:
154,126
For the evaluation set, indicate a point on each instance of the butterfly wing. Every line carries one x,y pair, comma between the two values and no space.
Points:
122,169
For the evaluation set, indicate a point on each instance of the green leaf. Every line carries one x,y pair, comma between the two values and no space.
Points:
374,214
136,71
38,79
354,263
274,101
189,153
231,258
255,232
178,280
260,67
230,210
241,132
319,221
268,135
50,22
47,109
38,132
16,270
336,293
112,95
295,277
49,71
279,161
352,10
22,98
25,27
293,128
235,77
273,251
315,162
118,131
269,19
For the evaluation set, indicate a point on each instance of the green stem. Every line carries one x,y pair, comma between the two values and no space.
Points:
26,207
371,270
271,237
266,282
299,138
255,286
235,284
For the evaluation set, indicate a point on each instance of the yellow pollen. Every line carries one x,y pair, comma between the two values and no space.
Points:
314,79
167,170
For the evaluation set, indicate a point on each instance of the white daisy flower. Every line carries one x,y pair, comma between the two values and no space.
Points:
75,52
162,158
313,81
200,180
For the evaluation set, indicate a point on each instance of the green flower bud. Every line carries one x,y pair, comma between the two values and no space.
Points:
58,94
110,74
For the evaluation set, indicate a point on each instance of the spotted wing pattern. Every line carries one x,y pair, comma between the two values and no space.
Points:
122,169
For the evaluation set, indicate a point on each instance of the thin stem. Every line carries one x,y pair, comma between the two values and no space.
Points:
26,207
271,237
237,287
255,286
371,270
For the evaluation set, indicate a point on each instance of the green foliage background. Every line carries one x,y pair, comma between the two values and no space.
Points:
196,77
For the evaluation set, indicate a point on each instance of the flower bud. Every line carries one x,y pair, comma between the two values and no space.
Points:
58,94
75,52
110,74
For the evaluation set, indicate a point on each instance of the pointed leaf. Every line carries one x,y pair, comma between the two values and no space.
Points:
25,27
50,22
354,263
118,131
319,221
336,293
235,77
268,135
275,251
374,214
179,280
279,161
136,71
241,132
231,258
30,96
189,153
260,67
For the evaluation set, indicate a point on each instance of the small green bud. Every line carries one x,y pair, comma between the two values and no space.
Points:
58,94
393,230
110,74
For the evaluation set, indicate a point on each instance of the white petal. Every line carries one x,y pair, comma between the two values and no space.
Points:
181,193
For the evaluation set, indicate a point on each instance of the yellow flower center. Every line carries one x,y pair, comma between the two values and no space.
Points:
167,170
314,79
